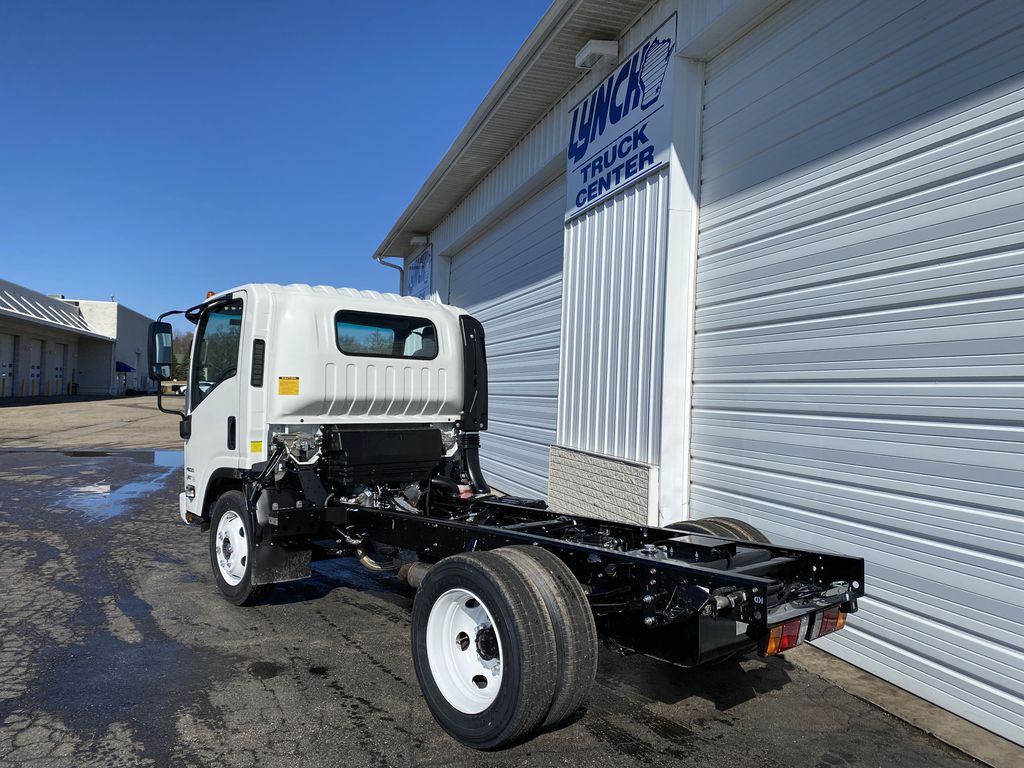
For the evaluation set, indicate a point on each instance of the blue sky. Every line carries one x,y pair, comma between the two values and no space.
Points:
157,150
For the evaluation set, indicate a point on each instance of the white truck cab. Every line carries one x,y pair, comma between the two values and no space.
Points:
272,360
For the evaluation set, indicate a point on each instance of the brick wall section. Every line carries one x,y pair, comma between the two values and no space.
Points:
597,486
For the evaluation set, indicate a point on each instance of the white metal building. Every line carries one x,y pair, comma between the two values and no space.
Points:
766,260
53,346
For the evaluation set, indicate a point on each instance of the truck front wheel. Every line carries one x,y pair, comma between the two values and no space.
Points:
484,650
231,546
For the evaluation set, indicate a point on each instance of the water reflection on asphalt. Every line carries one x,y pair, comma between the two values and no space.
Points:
109,498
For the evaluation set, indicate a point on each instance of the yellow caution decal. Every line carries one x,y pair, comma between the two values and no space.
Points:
287,385
256,447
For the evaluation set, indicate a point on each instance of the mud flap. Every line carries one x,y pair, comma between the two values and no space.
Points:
720,638
274,562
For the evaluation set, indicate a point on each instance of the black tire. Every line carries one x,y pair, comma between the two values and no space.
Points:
728,527
527,655
743,531
244,592
706,525
576,644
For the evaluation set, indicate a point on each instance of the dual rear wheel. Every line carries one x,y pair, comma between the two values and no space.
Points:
504,644
726,527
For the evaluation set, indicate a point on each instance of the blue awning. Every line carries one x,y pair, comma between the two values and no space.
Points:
124,367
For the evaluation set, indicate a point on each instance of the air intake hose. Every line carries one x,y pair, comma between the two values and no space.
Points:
469,442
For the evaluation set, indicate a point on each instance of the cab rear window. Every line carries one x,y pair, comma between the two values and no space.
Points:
368,334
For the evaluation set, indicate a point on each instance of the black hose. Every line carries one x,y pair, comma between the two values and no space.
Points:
447,483
260,481
471,456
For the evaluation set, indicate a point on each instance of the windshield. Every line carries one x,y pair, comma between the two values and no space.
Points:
217,345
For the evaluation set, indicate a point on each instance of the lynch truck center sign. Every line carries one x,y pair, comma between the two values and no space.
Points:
622,130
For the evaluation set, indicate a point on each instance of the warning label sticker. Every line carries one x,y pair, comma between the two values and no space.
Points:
287,385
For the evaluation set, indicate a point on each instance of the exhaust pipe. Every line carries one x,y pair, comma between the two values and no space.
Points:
414,573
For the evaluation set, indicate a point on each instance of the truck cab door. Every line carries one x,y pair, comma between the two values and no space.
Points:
214,394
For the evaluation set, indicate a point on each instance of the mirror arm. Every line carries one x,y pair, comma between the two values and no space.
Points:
159,385
191,316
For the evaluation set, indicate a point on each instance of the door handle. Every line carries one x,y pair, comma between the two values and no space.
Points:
231,433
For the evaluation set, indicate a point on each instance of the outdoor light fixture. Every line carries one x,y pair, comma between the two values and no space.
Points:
597,52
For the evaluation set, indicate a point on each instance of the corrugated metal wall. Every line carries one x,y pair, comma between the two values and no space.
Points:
859,359
510,279
614,293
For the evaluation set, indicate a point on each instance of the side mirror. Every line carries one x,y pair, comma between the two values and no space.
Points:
161,356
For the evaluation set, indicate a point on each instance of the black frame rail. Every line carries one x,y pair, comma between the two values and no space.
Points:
667,575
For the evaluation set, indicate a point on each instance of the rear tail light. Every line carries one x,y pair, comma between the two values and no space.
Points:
792,633
831,620
786,636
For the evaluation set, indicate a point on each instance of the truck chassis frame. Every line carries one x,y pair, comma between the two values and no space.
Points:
644,584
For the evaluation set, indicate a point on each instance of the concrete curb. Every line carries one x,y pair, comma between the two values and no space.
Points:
958,733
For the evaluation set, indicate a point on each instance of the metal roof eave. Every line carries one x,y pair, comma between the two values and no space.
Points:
567,26
32,320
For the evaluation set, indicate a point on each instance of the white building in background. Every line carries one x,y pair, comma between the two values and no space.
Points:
765,259
53,346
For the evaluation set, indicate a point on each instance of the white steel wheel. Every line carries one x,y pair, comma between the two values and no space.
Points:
464,651
483,649
232,548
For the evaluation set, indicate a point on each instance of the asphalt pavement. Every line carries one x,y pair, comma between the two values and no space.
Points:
117,650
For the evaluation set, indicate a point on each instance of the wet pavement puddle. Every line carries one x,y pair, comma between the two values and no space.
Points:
109,498
98,670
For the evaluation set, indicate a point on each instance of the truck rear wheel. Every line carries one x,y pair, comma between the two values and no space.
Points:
728,527
576,643
484,650
231,546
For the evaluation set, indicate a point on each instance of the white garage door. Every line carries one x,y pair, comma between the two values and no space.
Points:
859,379
510,279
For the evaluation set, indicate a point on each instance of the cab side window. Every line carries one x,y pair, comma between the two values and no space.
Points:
217,344
368,334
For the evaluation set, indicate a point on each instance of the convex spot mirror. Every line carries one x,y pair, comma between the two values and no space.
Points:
161,356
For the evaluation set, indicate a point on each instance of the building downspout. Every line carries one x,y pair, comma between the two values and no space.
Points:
379,258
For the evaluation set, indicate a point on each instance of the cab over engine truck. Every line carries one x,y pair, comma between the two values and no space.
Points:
327,422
